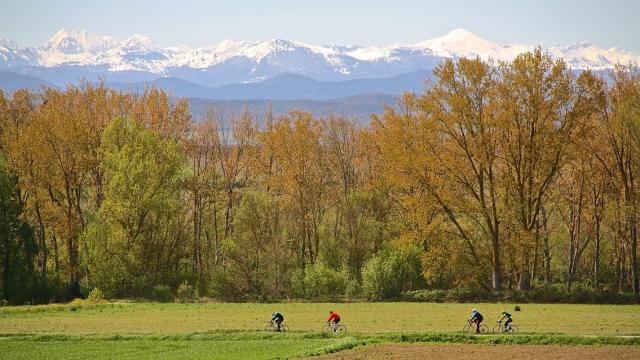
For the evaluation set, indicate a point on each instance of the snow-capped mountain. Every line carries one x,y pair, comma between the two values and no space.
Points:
73,47
13,55
71,54
462,43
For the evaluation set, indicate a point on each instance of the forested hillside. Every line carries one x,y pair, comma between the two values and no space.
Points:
511,176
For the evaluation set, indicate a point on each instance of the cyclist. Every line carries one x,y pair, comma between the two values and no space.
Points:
334,319
477,318
278,318
506,315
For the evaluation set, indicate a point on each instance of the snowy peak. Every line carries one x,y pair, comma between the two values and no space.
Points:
243,61
139,43
14,55
459,42
8,44
77,41
463,43
228,45
74,47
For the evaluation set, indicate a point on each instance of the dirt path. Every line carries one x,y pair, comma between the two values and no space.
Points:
488,352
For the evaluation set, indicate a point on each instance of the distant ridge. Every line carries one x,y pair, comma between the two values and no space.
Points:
286,87
10,82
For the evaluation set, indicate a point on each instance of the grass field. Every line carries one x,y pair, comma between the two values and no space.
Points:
487,352
225,331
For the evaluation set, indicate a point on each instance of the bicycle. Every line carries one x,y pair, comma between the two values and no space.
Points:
333,327
273,326
471,328
499,328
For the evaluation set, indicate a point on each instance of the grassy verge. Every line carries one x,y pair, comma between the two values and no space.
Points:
254,345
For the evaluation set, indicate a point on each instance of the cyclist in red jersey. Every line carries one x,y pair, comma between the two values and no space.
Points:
333,317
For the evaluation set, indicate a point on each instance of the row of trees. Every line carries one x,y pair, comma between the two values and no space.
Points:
499,176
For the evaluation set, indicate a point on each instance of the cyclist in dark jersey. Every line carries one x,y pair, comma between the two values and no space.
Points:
278,318
506,315
477,318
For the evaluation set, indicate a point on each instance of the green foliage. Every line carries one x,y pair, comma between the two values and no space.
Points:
390,272
185,293
17,244
161,293
353,289
318,281
135,239
256,248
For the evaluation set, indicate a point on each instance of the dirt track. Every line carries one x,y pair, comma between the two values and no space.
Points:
488,352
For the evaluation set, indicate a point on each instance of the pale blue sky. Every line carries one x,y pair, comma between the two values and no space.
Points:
198,22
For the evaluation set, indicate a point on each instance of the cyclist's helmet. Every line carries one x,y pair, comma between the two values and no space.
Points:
331,312
474,310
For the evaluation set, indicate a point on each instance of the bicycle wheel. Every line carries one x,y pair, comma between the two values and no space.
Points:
497,329
342,328
269,327
284,327
327,328
513,329
484,329
468,329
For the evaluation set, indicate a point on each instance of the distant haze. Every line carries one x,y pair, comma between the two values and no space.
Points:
612,23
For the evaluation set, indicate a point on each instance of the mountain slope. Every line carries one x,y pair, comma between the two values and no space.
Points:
285,87
10,82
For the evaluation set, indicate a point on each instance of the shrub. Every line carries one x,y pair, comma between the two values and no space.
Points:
437,295
96,296
517,308
186,293
391,272
544,294
317,281
161,293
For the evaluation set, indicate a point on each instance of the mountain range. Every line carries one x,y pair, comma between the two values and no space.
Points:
273,69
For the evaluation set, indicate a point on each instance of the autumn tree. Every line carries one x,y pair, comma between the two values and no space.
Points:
299,175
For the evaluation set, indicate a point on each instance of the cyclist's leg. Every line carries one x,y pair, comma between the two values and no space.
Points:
506,324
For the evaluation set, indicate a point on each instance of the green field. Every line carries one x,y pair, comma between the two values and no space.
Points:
221,330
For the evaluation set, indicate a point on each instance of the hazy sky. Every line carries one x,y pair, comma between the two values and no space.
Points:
198,22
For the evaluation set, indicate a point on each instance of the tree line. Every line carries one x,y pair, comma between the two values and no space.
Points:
499,176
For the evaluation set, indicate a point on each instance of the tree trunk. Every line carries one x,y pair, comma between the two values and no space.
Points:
546,251
634,256
596,256
496,276
524,281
